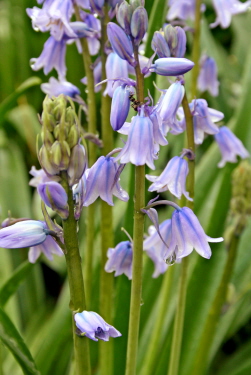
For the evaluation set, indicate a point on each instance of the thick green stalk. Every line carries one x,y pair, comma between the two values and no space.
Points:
153,349
138,232
92,128
196,49
202,356
76,283
180,313
107,240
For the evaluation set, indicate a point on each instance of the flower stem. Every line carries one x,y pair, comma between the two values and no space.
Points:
154,342
196,49
182,290
138,232
76,282
92,121
202,355
107,240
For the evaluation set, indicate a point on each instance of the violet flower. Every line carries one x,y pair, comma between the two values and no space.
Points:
173,178
182,9
139,147
91,325
120,259
39,176
55,197
55,88
187,234
207,79
115,68
102,180
225,9
121,44
120,107
48,248
156,248
171,66
230,146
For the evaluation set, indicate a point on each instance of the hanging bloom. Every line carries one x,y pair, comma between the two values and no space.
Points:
156,248
55,88
207,79
52,56
91,325
173,178
54,196
171,66
23,234
120,106
158,133
160,45
102,180
115,68
97,73
182,9
139,148
39,176
187,234
225,9
48,248
230,146
120,259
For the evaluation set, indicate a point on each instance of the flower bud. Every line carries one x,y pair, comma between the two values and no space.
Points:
180,49
120,43
124,15
73,136
45,162
77,164
55,197
120,107
160,45
171,37
171,66
139,23
60,155
137,3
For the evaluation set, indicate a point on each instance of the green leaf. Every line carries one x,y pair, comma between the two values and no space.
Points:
12,284
14,342
10,101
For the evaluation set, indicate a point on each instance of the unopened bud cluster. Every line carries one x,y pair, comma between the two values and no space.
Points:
61,149
171,42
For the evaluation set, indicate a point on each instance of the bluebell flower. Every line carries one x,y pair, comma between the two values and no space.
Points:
160,45
171,66
187,234
91,325
77,164
182,9
156,248
23,234
102,180
52,56
48,248
158,133
230,146
115,68
55,197
120,259
95,25
207,80
39,176
121,44
139,147
120,107
55,88
203,119
225,9
173,178
139,24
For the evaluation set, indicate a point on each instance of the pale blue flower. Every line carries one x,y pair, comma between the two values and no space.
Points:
207,79
48,248
225,9
121,44
171,66
182,9
230,146
120,259
120,107
55,88
55,197
115,68
91,325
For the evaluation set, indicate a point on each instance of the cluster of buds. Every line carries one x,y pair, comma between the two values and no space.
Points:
61,150
171,42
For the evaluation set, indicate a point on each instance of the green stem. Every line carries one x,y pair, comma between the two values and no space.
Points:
196,49
76,282
202,356
138,232
107,240
182,291
92,128
154,342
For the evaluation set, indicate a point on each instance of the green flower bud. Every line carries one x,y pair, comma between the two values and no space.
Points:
73,136
45,162
170,35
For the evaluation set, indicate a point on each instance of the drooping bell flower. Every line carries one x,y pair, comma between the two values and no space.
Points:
225,9
102,180
120,259
55,197
115,68
55,88
207,79
230,146
39,176
120,106
91,325
182,9
173,178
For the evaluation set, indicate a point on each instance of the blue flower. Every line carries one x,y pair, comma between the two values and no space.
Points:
173,178
120,107
91,325
171,66
48,248
121,44
225,9
207,79
187,234
54,196
120,259
55,88
115,68
230,146
182,9
102,180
